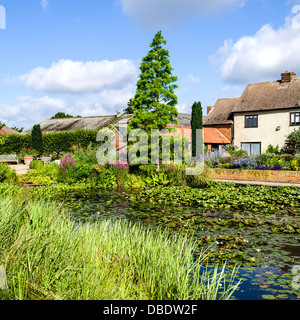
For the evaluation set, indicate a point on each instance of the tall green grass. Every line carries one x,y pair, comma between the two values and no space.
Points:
46,255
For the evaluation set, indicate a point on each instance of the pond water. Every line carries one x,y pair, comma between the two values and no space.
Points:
265,247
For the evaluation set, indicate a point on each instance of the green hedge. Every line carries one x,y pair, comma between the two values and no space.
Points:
51,141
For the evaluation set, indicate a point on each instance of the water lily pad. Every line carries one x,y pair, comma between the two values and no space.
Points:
268,297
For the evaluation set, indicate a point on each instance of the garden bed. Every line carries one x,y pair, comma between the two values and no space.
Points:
255,175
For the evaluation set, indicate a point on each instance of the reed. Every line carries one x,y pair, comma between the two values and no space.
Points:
46,255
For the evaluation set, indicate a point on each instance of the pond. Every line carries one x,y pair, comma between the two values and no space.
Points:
266,247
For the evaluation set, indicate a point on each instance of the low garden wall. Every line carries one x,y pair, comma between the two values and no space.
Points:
255,175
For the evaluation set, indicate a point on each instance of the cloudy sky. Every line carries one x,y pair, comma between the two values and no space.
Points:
83,57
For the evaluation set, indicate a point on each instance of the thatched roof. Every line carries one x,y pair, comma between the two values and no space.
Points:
72,124
271,95
94,123
184,119
5,131
221,112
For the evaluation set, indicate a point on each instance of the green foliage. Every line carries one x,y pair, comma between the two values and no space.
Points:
46,175
36,138
2,124
104,176
97,261
7,174
222,196
18,129
196,123
14,143
51,141
36,164
66,140
62,115
147,169
154,104
157,179
292,143
234,151
273,150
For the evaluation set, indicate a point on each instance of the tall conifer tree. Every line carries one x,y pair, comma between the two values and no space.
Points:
196,123
37,138
154,104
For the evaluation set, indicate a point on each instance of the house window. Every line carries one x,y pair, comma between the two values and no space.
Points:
251,121
295,118
252,148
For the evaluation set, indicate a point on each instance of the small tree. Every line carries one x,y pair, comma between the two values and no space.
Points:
37,138
292,143
196,123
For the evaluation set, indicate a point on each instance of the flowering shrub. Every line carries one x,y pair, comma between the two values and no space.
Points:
120,170
67,165
118,165
28,152
295,165
244,163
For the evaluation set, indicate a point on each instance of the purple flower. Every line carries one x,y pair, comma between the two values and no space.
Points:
277,167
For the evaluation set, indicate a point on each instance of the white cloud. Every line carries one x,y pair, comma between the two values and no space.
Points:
66,76
29,110
192,80
44,4
80,88
164,13
262,56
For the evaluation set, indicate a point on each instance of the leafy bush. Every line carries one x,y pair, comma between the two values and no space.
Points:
233,151
273,150
146,169
7,174
36,164
46,175
51,141
292,143
104,176
82,171
157,179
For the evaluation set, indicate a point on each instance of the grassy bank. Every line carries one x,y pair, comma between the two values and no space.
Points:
47,256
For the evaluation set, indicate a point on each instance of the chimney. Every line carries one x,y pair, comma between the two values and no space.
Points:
287,76
209,108
119,113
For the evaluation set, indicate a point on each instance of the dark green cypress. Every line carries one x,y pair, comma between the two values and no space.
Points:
196,123
37,138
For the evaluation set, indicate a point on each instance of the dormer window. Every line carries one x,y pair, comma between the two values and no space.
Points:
251,121
294,118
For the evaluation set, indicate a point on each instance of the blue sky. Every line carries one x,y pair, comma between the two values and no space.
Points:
83,57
